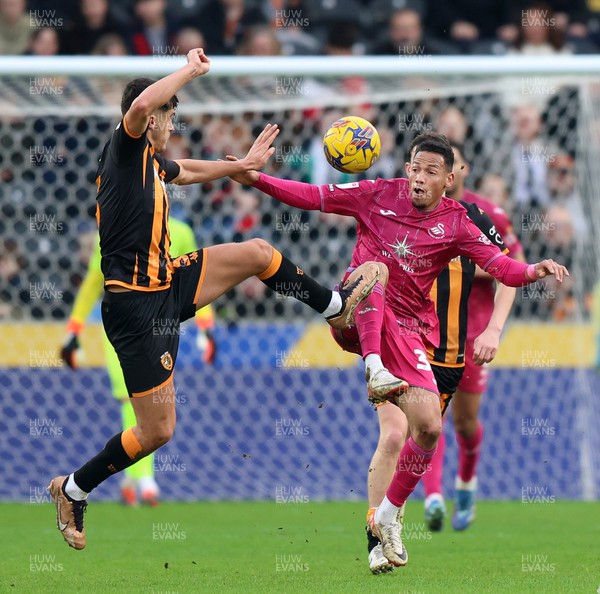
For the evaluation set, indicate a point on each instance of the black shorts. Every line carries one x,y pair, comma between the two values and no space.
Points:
144,327
447,379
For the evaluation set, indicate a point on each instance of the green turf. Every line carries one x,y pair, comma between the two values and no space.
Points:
313,547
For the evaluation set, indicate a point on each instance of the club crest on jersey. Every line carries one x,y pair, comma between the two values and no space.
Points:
166,360
437,232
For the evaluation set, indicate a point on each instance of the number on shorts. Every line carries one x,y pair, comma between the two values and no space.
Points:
422,357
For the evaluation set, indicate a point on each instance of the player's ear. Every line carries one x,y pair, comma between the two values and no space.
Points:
450,179
407,167
152,122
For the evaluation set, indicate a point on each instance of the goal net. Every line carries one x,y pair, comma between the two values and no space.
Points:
283,414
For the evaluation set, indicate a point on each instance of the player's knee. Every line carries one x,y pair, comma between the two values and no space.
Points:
261,253
465,426
391,441
161,435
428,433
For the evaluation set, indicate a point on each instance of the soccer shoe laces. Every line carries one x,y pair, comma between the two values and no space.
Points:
79,508
392,536
346,290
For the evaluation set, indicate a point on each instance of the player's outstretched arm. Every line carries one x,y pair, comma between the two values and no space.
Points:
161,92
193,171
475,245
516,274
293,193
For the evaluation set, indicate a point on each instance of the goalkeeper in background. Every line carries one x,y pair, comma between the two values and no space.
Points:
139,478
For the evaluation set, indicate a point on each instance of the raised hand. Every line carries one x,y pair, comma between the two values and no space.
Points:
261,150
200,60
257,157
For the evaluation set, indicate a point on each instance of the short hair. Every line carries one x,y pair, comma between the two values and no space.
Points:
459,146
135,88
432,142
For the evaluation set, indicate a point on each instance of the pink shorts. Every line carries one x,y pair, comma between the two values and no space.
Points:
474,379
402,352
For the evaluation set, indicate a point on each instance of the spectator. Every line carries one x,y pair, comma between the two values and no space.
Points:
377,18
405,37
188,39
15,29
539,34
493,187
341,39
247,212
153,32
467,22
44,42
91,22
570,16
13,288
228,20
562,183
260,41
321,16
530,157
111,44
295,41
451,122
558,240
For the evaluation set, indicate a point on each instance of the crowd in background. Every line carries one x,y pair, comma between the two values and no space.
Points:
299,27
524,155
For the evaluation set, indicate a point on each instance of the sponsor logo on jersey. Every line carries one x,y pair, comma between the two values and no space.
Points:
347,186
402,248
387,213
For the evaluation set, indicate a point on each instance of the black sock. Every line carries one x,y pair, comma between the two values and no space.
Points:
113,458
373,540
292,281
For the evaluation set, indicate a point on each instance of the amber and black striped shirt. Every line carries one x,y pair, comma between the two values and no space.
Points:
132,212
450,293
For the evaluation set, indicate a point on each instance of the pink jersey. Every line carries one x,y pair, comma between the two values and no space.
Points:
481,300
415,245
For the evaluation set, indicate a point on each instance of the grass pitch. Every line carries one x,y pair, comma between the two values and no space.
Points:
261,547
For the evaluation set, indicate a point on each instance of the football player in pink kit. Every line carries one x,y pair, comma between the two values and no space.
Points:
410,226
466,401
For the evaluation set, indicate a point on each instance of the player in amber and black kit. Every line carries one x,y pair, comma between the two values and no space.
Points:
148,294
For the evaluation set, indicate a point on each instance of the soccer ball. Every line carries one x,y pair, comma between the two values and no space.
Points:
351,145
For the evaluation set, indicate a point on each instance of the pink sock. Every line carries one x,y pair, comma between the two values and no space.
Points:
368,317
469,450
432,479
413,463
